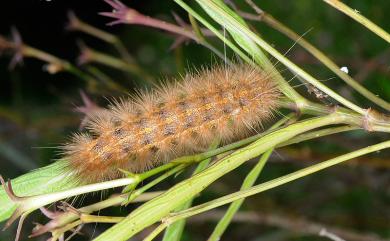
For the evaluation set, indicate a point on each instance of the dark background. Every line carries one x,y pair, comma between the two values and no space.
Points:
37,109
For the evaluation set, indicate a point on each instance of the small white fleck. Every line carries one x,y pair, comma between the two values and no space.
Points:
344,69
236,112
356,11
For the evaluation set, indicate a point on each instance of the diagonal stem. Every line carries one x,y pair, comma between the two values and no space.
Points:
355,15
273,183
274,23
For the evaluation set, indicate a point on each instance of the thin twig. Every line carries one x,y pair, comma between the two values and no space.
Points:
355,14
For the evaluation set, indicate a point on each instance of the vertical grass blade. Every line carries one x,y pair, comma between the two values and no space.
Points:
235,206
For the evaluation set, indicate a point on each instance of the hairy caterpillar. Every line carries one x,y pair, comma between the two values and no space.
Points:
181,118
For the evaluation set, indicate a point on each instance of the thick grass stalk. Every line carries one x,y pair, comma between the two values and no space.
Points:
156,209
318,133
26,205
41,181
68,218
175,231
250,179
273,183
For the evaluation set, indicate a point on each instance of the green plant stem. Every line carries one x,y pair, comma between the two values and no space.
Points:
155,232
232,146
248,182
87,218
77,24
162,168
154,210
316,134
69,217
41,181
250,179
56,234
92,55
218,34
197,31
269,185
35,202
224,16
31,203
252,50
117,200
136,193
354,14
274,23
174,232
59,64
142,176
